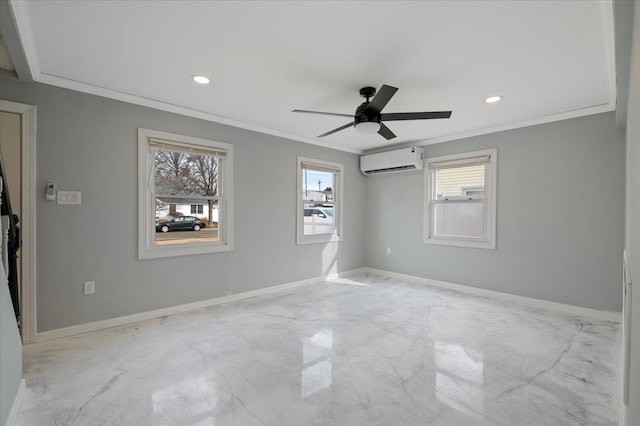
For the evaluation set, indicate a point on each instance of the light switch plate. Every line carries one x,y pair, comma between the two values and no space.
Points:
69,197
89,287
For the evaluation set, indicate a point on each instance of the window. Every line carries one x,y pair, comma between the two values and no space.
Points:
460,199
178,175
319,205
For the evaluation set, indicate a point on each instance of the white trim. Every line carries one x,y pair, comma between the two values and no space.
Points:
338,190
147,249
25,32
164,106
19,37
194,306
563,308
28,216
609,30
54,80
15,407
491,192
346,274
627,292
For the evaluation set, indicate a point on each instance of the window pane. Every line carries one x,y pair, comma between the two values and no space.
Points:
181,220
459,219
184,173
460,182
318,212
318,219
317,186
179,226
197,208
185,185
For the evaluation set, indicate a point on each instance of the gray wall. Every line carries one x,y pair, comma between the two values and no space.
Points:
623,27
10,351
632,240
560,215
89,144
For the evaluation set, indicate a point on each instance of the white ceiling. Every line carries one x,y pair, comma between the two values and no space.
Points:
549,59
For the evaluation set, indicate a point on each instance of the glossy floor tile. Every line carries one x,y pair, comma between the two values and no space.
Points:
361,351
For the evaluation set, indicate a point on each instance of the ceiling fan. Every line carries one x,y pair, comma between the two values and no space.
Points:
368,118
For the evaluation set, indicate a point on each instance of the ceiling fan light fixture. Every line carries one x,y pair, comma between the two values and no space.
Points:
201,79
493,99
367,127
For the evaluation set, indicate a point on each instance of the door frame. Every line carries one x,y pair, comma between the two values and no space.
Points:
28,326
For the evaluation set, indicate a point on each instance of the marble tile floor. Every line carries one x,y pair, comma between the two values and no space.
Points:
367,350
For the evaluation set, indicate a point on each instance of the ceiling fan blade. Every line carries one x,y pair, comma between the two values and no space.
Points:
385,132
330,132
324,113
381,99
397,116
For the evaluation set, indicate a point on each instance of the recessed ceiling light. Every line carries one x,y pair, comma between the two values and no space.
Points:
201,79
493,99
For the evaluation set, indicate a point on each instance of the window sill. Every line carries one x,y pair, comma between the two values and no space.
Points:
461,242
318,239
157,252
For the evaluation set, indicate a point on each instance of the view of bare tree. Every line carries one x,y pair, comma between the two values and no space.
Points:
183,173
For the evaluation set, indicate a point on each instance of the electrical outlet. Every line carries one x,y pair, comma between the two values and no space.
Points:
89,287
388,250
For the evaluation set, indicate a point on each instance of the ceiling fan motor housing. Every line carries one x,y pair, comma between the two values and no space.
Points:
362,117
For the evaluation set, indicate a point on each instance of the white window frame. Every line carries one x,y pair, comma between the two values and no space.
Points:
147,247
337,203
490,196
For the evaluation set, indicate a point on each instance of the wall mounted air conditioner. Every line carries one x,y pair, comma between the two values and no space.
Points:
405,159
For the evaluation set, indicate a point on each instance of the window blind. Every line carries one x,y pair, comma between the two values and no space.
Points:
165,145
475,161
319,168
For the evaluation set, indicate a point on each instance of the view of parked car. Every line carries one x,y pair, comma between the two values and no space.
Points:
318,220
180,223
319,212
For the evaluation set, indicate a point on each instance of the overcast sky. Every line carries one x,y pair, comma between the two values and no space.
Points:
312,180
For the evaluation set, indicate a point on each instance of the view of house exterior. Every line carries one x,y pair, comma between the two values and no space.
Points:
185,207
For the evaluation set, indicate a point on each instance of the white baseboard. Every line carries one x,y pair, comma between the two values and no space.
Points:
507,297
15,407
128,319
347,274
142,316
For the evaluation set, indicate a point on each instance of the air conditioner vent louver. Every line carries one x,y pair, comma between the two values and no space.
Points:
390,169
406,159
